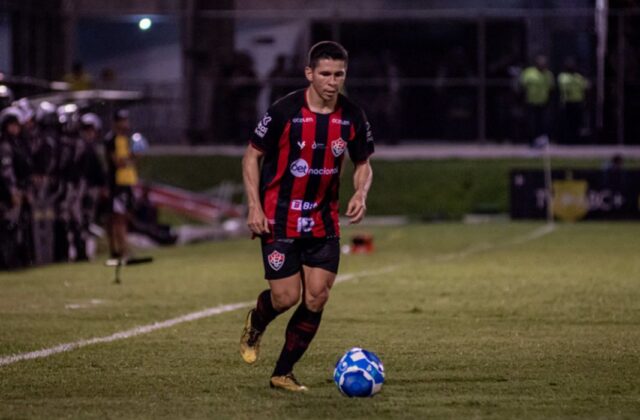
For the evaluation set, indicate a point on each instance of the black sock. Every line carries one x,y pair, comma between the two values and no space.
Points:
264,312
300,331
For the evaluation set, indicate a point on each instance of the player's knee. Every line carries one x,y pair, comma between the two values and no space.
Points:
316,299
285,299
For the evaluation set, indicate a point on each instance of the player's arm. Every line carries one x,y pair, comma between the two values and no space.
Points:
362,177
256,220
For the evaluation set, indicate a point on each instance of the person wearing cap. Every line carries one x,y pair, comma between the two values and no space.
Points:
122,176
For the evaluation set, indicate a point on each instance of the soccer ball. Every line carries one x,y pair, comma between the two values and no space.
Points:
359,373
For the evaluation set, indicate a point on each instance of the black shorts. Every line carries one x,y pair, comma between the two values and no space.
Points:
285,257
121,199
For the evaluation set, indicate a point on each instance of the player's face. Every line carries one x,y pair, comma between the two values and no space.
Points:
327,78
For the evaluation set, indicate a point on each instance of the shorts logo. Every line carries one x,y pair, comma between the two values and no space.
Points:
305,224
338,146
299,168
276,260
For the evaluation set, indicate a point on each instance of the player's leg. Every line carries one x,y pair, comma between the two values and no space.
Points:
321,265
118,223
282,270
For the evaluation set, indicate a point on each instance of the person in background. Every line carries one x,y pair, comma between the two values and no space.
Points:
92,183
78,78
122,176
10,196
572,87
537,82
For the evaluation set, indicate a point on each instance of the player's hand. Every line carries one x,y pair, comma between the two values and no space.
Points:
257,221
356,209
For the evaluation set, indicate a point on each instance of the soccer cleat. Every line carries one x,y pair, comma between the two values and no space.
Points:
250,341
287,382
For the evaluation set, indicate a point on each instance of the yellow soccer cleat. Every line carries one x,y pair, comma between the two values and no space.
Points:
287,382
250,341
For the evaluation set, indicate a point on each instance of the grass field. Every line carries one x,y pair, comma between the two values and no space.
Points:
500,320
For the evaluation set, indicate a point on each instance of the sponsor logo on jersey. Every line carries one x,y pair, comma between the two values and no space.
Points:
337,146
339,121
303,205
302,120
299,168
276,260
323,171
369,132
314,145
263,126
305,224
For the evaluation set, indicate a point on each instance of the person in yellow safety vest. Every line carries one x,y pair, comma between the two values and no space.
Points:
573,88
538,82
123,176
78,78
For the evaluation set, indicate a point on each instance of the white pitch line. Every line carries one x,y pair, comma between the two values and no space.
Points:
487,246
145,329
217,310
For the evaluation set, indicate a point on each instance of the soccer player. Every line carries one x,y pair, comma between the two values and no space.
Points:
291,173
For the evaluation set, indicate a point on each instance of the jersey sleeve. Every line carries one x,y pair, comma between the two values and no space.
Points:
267,133
361,146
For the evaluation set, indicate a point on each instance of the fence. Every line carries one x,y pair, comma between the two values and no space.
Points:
421,75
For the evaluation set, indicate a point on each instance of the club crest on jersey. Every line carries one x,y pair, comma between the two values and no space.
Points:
276,260
337,146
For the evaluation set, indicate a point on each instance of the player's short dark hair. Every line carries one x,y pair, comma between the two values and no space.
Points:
327,50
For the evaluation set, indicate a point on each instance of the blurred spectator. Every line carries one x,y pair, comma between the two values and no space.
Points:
92,184
6,96
613,173
14,172
457,101
538,82
107,79
278,79
572,87
392,105
243,97
78,79
123,176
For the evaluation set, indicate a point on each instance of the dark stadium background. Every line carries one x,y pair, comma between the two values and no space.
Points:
426,71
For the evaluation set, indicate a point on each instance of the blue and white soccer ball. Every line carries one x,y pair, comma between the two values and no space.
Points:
359,373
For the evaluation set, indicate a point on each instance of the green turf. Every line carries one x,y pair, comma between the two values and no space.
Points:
476,321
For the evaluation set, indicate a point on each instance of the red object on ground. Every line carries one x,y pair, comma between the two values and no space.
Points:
362,244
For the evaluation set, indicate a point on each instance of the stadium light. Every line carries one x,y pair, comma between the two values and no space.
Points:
144,24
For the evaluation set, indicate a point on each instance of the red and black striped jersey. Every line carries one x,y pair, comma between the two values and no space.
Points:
303,154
